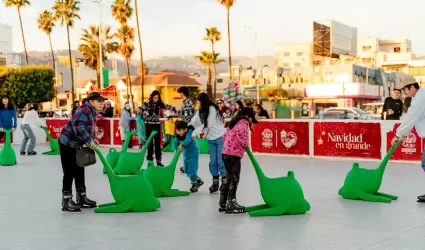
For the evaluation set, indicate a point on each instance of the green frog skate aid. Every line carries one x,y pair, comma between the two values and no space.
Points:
162,178
130,162
8,155
202,145
132,193
363,184
114,155
282,195
53,143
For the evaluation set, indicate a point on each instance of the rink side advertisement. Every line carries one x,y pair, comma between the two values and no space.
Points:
410,150
280,138
351,139
102,130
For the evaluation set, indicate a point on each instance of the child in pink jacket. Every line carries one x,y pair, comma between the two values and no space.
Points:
236,139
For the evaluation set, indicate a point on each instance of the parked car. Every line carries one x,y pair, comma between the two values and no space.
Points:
348,113
374,108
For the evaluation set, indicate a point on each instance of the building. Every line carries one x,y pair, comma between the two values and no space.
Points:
7,56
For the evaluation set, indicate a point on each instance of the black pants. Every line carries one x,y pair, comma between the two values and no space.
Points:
70,170
233,169
156,142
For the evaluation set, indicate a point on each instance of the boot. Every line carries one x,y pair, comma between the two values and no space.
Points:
159,164
83,201
196,185
223,182
214,185
140,145
421,198
68,204
222,202
233,207
182,170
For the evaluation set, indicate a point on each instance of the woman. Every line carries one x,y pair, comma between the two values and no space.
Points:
152,111
8,119
225,111
30,118
79,131
125,122
209,120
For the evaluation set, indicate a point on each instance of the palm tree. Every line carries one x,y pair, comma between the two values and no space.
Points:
90,47
46,22
19,4
126,47
228,4
142,65
142,70
215,60
213,35
206,59
122,11
67,12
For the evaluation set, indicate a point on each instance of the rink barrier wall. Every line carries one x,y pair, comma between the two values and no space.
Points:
328,139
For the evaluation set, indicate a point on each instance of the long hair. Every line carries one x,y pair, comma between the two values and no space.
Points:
241,106
159,104
241,115
204,110
10,104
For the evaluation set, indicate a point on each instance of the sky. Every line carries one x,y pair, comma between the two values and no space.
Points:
176,27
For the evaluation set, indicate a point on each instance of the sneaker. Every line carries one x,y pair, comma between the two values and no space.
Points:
23,153
32,153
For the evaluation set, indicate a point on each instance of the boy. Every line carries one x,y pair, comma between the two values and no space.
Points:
190,153
188,110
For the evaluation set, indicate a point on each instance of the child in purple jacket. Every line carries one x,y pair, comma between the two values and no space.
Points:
236,139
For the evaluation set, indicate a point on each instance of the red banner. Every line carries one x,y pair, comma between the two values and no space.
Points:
280,138
410,150
347,139
103,131
55,127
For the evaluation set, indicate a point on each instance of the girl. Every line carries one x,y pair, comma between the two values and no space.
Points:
209,120
238,107
30,117
236,139
152,111
8,119
125,121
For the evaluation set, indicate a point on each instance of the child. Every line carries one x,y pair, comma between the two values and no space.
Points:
188,110
170,131
140,128
190,152
236,139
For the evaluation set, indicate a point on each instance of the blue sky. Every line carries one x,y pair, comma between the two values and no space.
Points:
176,27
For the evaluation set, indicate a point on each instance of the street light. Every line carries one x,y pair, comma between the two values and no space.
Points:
256,59
100,44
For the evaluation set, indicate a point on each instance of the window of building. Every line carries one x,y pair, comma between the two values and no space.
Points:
286,54
286,65
397,49
367,60
367,48
417,71
297,64
61,79
300,53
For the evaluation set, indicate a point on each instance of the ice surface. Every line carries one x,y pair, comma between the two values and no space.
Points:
31,216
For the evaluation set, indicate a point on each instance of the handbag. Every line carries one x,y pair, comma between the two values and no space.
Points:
85,156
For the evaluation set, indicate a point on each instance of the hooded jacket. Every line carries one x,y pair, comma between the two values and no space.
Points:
236,139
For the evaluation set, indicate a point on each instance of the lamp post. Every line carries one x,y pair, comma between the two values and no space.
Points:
100,44
257,82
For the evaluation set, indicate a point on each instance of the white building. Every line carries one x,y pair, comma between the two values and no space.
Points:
7,56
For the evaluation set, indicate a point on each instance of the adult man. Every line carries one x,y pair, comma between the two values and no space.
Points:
393,106
415,115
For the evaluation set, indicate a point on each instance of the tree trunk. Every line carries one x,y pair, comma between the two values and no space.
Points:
98,81
228,41
129,84
54,71
23,37
214,71
70,65
209,87
142,75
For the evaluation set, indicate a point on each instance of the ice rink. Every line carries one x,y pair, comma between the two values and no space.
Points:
31,216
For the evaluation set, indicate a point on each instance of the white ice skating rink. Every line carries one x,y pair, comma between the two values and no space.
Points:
31,216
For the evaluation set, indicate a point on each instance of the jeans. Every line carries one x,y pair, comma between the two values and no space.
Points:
156,142
233,168
216,160
190,167
70,170
28,135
